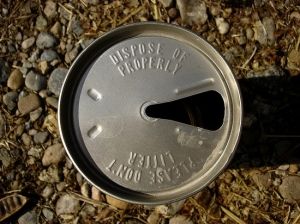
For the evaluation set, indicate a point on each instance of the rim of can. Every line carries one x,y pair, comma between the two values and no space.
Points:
69,96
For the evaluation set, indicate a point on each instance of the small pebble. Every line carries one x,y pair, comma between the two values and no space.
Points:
41,23
52,101
10,100
34,115
3,71
49,55
222,25
153,218
43,66
166,3
116,202
15,80
284,167
88,210
53,154
40,137
290,188
56,29
61,186
26,139
293,168
241,40
50,9
35,81
28,103
48,214
50,175
96,194
173,13
56,80
66,204
76,27
180,219
29,218
47,191
170,209
192,11
85,190
28,43
71,55
45,40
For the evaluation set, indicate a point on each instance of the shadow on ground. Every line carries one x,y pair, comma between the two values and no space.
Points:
271,126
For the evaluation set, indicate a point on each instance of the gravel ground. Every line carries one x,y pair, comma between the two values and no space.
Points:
39,40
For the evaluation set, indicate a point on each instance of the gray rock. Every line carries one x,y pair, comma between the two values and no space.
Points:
28,103
3,71
53,154
34,115
41,23
49,55
48,214
66,204
192,11
290,188
50,9
35,81
76,27
50,175
29,218
222,25
166,3
15,80
40,137
45,40
52,101
56,80
2,126
26,139
28,43
180,219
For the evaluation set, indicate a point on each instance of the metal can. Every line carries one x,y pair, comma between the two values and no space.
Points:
130,113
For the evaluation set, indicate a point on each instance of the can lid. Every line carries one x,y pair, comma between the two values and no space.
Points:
129,123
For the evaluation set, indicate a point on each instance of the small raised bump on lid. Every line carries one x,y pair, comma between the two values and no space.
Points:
94,131
94,94
198,85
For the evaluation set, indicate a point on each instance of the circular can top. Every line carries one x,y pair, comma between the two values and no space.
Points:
108,122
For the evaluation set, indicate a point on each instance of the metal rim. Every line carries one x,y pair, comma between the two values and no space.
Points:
70,96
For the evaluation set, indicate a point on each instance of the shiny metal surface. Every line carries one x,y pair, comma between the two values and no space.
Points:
108,133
